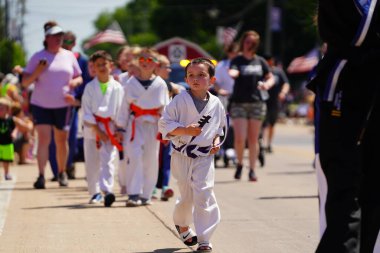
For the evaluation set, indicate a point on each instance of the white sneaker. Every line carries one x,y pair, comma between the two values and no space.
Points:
97,198
133,202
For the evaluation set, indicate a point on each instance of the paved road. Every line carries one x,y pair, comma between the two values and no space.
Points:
277,214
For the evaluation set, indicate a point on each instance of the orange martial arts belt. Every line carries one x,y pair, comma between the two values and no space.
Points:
105,122
138,112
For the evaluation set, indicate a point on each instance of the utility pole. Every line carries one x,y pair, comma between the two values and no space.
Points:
268,28
6,19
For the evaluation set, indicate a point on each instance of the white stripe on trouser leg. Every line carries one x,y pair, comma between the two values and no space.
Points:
322,192
376,249
91,161
142,165
107,166
195,178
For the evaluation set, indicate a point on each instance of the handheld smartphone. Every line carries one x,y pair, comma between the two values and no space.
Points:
43,61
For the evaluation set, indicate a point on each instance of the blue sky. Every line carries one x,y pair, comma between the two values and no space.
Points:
75,15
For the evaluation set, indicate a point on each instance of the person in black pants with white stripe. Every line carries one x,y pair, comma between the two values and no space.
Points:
346,85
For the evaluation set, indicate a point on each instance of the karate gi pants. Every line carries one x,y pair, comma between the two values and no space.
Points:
197,203
142,160
100,167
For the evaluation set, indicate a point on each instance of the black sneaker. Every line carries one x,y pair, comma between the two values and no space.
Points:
62,179
109,198
261,157
252,176
71,172
239,169
40,183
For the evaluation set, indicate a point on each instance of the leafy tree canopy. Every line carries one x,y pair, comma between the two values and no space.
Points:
146,22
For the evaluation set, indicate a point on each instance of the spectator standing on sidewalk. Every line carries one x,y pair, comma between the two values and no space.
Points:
8,123
55,72
69,42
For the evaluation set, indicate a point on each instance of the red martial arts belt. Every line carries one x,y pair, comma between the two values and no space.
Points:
138,112
105,122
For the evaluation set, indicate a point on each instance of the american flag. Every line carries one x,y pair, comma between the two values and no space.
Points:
226,35
304,63
112,34
229,34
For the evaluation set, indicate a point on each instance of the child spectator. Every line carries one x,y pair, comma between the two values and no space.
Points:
22,139
100,102
193,121
7,124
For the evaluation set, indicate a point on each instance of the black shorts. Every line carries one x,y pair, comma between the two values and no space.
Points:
57,117
271,116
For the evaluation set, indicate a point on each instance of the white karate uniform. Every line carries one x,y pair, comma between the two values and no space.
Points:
122,176
195,176
142,152
100,162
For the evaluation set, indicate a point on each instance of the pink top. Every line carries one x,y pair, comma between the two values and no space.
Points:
51,85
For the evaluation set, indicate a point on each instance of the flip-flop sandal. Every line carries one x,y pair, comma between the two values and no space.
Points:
204,247
185,236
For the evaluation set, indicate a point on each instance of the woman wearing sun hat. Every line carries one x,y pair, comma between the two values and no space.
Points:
55,72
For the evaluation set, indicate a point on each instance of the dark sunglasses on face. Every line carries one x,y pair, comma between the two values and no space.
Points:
147,59
68,42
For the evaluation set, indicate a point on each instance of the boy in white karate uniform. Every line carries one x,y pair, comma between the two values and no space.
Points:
144,98
193,121
101,101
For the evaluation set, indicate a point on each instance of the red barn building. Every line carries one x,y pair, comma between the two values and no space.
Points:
177,49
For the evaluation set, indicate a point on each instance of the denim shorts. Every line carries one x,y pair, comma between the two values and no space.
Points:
57,117
255,110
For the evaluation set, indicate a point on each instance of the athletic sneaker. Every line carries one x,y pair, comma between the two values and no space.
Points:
133,202
62,179
146,202
8,177
109,198
167,193
239,169
71,171
154,194
40,183
54,179
252,176
97,198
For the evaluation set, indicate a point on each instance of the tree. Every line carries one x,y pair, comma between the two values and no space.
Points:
147,22
11,54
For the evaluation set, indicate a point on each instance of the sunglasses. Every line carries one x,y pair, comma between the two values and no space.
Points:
68,42
147,59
